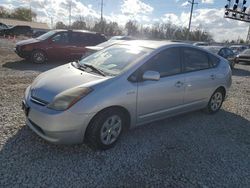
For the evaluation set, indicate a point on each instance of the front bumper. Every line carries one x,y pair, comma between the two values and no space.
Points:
20,53
62,127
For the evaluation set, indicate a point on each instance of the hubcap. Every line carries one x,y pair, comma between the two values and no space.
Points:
216,101
111,130
39,57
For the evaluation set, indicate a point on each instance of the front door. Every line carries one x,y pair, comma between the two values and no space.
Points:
59,46
157,99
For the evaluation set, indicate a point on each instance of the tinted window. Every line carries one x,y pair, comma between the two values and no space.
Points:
221,53
229,52
61,38
214,61
194,60
166,63
84,39
75,38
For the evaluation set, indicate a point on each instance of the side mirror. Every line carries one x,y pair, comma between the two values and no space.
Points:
151,75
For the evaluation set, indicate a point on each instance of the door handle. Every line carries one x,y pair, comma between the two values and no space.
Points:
178,84
212,76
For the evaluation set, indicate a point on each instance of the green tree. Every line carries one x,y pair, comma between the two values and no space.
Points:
79,24
60,25
24,14
132,27
4,13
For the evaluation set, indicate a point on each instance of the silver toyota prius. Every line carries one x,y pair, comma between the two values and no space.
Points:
121,87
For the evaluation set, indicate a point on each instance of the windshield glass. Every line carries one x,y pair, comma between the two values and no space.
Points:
246,52
115,59
46,35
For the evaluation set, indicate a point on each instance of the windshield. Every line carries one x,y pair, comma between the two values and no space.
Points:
115,59
246,52
46,35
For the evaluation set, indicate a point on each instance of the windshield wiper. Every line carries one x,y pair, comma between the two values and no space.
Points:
94,69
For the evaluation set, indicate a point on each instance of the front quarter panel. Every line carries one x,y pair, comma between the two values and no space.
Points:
113,92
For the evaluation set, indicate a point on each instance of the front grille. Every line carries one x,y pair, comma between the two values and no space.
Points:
39,101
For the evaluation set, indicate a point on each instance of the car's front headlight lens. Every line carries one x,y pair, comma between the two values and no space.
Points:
68,98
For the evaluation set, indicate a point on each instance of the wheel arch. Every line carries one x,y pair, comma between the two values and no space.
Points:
115,107
223,89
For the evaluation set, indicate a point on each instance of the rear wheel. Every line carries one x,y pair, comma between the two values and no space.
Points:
215,101
38,57
105,129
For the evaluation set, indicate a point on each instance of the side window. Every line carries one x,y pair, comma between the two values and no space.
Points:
61,38
75,38
194,60
167,62
214,61
229,52
221,53
92,39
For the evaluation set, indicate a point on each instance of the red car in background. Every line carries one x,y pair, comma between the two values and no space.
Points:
58,45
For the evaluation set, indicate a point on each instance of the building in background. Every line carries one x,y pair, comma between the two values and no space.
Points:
36,26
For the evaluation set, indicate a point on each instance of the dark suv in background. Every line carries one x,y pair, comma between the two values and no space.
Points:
58,45
17,30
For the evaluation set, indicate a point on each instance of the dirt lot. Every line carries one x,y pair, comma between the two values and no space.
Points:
192,150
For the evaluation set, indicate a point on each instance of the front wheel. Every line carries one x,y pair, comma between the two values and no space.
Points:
105,129
38,57
215,102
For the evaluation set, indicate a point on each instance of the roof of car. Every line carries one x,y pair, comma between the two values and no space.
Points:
217,47
75,30
153,44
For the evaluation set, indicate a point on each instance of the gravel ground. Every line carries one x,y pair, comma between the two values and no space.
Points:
192,150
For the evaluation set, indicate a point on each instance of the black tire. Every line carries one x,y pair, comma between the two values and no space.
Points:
94,130
215,101
38,57
232,65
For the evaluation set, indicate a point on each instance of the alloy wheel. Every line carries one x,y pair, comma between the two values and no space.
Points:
111,130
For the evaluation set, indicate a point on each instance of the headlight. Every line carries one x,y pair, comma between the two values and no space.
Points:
68,98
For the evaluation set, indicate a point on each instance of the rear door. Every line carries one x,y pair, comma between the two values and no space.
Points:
78,43
200,76
160,98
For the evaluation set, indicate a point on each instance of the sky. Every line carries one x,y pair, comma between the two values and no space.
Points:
208,14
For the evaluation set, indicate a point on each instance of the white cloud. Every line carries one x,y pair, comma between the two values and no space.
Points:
186,3
58,9
135,7
213,21
207,1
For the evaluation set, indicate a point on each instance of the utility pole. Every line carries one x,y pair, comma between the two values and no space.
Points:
102,16
30,12
51,19
190,18
248,35
70,2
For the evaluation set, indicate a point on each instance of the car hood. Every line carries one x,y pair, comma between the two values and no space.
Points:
28,41
47,85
